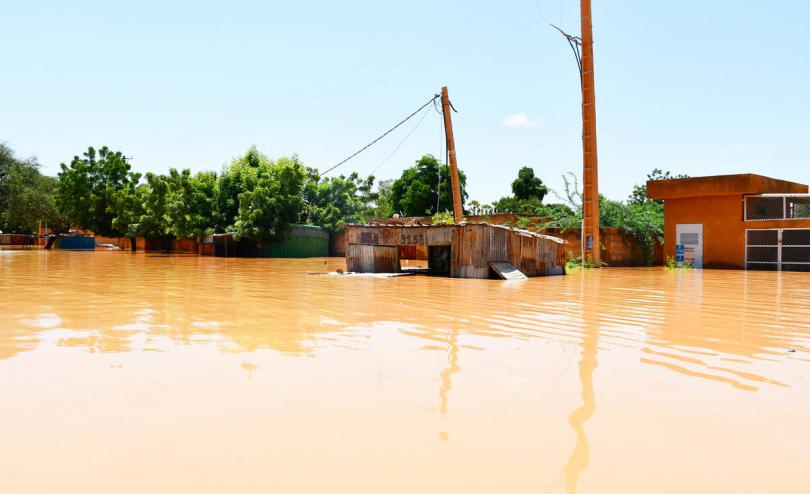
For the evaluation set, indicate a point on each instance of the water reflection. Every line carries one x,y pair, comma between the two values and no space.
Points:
447,374
708,325
359,378
580,457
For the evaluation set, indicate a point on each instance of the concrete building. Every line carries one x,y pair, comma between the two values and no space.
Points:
736,221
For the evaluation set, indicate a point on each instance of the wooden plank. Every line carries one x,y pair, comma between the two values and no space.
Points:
506,271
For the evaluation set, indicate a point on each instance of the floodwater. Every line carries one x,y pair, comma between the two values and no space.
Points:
134,373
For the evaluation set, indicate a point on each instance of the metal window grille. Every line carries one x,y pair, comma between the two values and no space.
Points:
776,207
797,207
786,249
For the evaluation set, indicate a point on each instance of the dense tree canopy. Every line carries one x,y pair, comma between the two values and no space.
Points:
259,198
86,189
271,200
333,202
416,192
191,203
26,196
253,197
527,196
527,186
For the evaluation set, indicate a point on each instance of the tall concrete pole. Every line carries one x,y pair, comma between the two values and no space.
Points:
590,175
458,208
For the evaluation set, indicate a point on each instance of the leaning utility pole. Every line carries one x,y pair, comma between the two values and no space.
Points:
590,175
458,210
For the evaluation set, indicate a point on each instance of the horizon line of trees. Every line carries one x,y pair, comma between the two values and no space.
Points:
259,198
252,196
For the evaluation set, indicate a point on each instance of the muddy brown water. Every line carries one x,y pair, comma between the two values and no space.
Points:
142,373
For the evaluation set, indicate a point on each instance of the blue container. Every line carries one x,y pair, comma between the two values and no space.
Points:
76,243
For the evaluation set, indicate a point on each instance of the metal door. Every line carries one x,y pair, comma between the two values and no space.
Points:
786,249
690,235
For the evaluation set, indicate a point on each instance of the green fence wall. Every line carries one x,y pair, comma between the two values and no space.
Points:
302,241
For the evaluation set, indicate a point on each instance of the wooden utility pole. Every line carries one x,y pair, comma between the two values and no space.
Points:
590,175
458,209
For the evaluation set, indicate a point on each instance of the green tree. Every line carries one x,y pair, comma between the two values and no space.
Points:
238,177
644,221
333,202
639,194
191,203
415,192
155,218
514,205
527,186
383,206
86,189
274,201
26,196
127,208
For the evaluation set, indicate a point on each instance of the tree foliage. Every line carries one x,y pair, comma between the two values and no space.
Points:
127,208
528,192
639,194
383,205
26,196
271,198
333,202
644,221
528,186
191,203
415,192
253,197
87,187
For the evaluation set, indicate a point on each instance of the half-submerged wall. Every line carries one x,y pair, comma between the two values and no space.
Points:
302,241
467,248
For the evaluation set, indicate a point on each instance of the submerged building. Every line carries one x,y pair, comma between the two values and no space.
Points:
465,250
736,221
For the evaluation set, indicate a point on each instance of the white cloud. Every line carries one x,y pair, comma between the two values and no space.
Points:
519,120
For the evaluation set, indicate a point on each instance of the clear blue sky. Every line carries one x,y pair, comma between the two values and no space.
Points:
690,86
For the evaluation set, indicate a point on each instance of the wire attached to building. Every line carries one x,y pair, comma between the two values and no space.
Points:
430,101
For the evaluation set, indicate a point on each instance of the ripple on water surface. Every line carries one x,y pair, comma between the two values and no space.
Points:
247,374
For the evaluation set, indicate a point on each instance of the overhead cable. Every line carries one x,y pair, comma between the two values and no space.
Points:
409,134
429,102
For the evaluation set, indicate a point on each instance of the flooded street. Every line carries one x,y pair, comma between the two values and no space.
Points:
147,373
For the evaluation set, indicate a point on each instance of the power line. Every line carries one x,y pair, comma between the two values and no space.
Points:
263,112
429,102
409,134
430,62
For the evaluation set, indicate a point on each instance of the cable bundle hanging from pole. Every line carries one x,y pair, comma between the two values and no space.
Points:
430,101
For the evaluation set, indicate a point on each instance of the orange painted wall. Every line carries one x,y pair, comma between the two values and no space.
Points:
723,227
619,248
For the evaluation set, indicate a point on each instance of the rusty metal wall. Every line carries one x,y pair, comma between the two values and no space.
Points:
470,252
498,249
399,235
473,246
372,258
